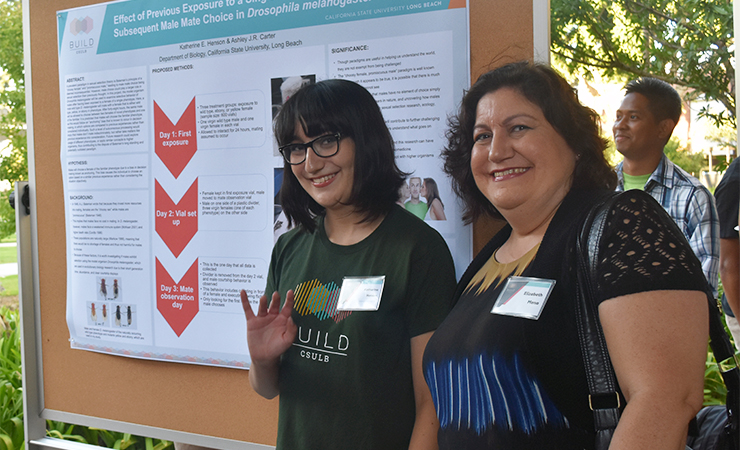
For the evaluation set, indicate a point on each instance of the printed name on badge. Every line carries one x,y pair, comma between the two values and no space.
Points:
360,293
523,297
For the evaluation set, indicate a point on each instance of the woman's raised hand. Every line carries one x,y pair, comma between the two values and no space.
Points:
272,331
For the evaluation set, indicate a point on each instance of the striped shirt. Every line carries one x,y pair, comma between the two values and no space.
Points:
692,206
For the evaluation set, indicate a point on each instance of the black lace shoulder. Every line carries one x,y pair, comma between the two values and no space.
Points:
643,250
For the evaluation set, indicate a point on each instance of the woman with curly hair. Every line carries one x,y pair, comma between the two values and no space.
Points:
505,368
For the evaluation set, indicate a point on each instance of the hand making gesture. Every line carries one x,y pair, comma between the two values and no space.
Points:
269,334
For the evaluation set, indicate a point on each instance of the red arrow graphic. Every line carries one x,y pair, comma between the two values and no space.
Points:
177,302
177,223
175,144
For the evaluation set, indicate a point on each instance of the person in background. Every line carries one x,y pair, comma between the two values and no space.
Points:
414,204
505,368
403,194
727,195
364,284
644,123
435,207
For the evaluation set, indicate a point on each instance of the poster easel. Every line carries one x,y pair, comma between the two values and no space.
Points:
202,405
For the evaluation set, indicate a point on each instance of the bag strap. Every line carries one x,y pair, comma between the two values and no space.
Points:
604,399
727,360
599,371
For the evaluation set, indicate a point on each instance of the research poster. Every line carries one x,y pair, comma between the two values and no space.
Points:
171,172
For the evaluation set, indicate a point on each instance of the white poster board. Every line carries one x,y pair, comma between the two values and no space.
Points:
170,170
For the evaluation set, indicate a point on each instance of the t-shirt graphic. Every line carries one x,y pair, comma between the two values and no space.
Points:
314,297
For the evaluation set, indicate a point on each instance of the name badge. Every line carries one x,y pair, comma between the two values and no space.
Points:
523,297
360,293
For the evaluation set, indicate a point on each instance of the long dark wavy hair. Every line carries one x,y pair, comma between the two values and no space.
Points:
579,125
432,191
340,106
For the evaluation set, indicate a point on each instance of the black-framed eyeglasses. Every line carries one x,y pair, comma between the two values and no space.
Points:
323,146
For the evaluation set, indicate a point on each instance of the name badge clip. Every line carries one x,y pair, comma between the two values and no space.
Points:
523,297
360,293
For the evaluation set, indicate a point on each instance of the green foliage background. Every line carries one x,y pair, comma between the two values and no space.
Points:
688,43
13,164
692,163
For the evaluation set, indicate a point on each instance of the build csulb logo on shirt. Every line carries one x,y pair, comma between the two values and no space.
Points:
318,345
314,298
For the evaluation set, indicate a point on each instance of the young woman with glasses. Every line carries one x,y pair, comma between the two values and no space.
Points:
362,283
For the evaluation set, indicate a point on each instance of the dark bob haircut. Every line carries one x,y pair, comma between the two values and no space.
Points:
340,106
577,124
663,101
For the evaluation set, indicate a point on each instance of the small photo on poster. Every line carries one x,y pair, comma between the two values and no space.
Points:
124,316
280,222
420,196
97,314
281,90
108,288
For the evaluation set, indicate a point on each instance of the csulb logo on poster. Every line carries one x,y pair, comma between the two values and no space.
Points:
77,26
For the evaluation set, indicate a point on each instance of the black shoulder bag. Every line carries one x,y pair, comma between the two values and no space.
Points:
716,427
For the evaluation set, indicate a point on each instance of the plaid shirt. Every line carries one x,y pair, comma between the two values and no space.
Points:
692,206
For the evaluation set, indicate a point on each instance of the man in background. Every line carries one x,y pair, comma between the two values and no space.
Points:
644,123
727,195
415,205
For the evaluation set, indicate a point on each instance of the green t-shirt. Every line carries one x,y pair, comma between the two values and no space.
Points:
346,381
419,209
635,181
